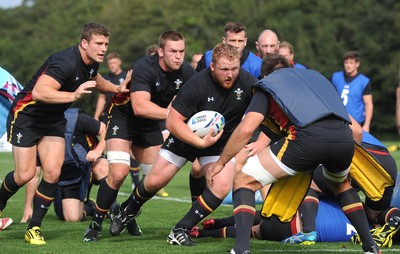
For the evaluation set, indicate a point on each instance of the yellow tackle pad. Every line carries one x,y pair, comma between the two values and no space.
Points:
369,173
285,196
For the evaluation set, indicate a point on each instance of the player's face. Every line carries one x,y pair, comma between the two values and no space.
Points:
267,45
225,71
172,55
237,40
96,48
286,53
351,66
114,65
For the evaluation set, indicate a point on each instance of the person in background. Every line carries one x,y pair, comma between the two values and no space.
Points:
286,50
36,122
195,59
267,43
116,75
151,49
355,90
235,35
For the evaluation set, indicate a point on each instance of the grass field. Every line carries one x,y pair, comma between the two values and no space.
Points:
158,216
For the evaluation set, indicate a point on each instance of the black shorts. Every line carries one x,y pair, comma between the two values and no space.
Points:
273,229
26,131
329,142
123,125
182,149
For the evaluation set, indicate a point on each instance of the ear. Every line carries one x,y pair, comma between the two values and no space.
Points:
223,40
160,52
84,44
258,49
212,67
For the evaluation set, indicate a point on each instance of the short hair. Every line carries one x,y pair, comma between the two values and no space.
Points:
152,49
225,50
234,27
113,55
273,62
351,55
90,29
286,44
169,36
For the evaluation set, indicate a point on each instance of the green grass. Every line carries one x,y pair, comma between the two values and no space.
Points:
158,217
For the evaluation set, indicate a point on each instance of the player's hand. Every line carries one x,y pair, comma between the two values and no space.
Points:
209,139
253,148
122,87
84,89
213,170
92,156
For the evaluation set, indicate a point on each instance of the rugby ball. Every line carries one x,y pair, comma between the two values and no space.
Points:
201,122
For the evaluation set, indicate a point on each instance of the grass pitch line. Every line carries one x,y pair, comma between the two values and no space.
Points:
180,200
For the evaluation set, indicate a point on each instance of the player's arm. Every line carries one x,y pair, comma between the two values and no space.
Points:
241,136
106,86
143,106
255,147
47,89
356,129
101,102
176,125
369,111
94,154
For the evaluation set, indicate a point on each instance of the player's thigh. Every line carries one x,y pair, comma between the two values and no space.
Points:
100,168
161,173
51,151
25,164
146,155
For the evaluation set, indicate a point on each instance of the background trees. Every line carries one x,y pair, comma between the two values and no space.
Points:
320,30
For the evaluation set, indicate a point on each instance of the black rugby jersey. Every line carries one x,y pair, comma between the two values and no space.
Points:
163,86
68,68
202,92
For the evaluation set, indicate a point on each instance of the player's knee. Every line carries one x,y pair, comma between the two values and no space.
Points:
145,168
73,217
153,183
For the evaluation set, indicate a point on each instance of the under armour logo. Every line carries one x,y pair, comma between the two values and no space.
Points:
121,80
210,99
76,78
91,73
178,83
157,84
200,215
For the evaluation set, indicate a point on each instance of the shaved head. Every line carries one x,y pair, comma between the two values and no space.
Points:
267,43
